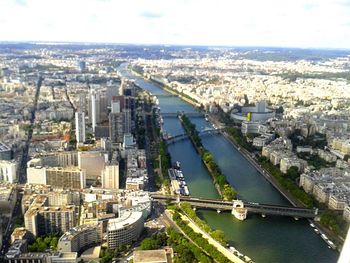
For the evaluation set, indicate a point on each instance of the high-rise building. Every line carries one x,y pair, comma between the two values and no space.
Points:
8,171
94,111
92,162
57,177
110,176
45,220
80,126
127,121
82,103
116,127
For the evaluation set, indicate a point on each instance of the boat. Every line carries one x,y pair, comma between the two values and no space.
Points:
324,237
312,225
177,165
177,180
316,230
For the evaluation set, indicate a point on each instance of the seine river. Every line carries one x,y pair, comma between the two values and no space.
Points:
270,239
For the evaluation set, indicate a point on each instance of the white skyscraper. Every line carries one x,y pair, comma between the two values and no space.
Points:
80,127
110,176
95,109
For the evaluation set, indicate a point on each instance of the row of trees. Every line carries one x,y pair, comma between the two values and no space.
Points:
218,235
226,190
200,240
238,137
335,222
165,160
287,182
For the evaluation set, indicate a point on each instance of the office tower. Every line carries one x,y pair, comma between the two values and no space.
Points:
110,176
103,108
94,111
127,121
82,103
80,126
116,126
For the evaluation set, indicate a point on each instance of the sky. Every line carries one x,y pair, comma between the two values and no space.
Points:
282,23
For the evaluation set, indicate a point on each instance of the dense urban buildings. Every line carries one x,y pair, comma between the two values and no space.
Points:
78,161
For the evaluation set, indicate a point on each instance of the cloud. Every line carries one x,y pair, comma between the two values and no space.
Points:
21,2
151,15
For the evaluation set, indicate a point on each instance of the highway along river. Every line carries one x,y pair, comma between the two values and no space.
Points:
269,239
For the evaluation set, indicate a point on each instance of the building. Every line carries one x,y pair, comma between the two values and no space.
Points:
80,127
58,177
55,257
346,213
80,238
256,113
116,127
8,171
125,229
154,256
110,176
8,198
94,110
93,162
19,233
251,127
5,152
41,220
288,162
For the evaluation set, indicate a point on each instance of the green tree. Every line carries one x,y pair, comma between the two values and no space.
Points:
293,172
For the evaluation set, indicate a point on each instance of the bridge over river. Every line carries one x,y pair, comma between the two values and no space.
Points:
240,208
184,136
177,114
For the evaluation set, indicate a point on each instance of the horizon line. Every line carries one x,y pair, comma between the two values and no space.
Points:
43,42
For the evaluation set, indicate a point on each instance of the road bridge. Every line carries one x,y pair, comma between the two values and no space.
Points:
240,208
177,114
184,136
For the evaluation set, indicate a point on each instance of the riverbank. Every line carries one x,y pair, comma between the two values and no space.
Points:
168,89
273,181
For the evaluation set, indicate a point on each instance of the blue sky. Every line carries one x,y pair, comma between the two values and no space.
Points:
292,23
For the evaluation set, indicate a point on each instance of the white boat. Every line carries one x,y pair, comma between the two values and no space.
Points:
324,236
312,225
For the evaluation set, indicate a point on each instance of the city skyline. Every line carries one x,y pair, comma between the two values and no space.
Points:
301,24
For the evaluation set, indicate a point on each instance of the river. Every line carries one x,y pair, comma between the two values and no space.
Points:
270,239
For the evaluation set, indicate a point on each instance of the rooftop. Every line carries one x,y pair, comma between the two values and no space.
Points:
123,221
